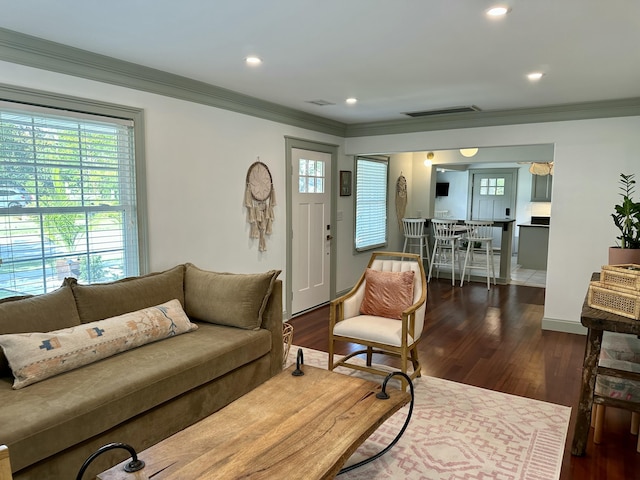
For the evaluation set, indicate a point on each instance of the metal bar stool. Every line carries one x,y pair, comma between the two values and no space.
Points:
446,235
415,236
479,237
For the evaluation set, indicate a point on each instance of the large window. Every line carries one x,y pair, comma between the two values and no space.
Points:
67,199
371,202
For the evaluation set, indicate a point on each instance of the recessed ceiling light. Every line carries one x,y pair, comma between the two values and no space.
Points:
351,100
535,76
498,11
253,60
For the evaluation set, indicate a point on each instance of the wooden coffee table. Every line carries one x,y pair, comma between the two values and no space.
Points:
288,427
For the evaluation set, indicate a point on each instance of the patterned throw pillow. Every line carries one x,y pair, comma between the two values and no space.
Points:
387,294
36,356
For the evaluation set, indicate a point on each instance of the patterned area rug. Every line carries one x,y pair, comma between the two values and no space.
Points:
461,432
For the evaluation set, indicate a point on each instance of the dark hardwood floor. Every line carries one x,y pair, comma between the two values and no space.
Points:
493,339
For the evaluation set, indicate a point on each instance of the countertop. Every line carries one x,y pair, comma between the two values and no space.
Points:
497,221
529,224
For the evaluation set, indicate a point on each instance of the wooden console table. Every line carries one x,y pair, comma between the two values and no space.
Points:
288,427
599,321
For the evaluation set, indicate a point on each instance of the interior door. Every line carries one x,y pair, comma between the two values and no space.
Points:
493,196
311,228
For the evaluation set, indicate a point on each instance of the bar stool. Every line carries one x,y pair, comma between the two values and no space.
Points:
479,233
415,236
446,235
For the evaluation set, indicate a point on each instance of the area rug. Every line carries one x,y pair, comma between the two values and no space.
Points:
461,432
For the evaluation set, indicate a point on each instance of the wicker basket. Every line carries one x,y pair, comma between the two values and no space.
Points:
287,338
614,300
625,276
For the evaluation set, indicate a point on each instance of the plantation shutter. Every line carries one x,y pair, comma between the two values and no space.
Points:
371,202
67,199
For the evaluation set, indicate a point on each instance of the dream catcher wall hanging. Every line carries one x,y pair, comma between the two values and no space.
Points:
260,198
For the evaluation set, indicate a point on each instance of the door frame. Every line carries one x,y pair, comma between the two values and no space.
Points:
332,149
487,171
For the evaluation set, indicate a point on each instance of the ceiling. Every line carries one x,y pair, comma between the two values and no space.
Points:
393,56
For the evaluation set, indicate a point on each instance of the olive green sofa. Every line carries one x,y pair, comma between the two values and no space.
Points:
143,395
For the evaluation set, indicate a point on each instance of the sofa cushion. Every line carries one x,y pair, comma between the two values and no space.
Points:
233,299
35,356
53,415
387,294
50,311
105,300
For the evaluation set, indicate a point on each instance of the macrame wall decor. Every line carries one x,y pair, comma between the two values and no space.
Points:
260,198
401,199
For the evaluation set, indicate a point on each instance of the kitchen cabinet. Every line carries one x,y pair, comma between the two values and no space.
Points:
541,188
533,246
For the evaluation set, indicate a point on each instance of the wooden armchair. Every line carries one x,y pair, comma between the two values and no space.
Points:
358,317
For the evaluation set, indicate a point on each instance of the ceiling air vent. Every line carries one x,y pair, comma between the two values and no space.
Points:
320,103
443,111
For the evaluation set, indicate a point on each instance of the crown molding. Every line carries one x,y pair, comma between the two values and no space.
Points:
35,52
491,118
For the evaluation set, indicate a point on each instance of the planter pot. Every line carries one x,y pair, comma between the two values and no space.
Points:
619,256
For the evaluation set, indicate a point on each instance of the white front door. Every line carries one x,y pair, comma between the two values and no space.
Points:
311,228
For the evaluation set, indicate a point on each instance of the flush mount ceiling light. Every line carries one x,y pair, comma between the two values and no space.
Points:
351,100
498,11
535,76
253,60
468,152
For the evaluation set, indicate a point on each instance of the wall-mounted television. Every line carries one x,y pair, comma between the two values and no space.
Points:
442,189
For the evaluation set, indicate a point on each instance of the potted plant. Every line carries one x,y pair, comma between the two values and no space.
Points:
627,219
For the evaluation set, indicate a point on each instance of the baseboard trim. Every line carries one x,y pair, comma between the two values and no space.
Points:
563,326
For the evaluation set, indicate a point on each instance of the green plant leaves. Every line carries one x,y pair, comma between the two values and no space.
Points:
627,214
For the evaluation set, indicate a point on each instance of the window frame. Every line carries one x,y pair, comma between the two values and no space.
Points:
358,175
70,104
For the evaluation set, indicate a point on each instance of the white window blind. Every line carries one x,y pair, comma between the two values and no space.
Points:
371,202
67,199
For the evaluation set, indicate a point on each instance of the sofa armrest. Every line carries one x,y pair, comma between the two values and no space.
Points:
272,321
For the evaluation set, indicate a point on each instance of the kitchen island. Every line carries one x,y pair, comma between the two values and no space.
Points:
533,246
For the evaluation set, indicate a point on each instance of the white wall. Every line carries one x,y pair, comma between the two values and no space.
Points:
197,158
196,161
589,156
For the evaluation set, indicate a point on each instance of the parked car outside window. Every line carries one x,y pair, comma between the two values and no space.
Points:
14,196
